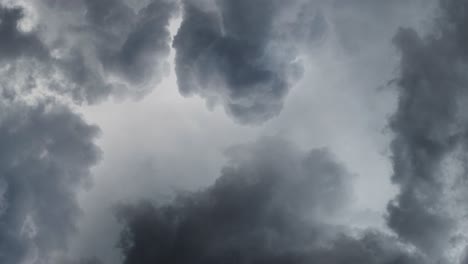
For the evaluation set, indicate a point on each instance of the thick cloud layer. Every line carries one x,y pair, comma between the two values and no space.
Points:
243,54
46,152
430,126
272,204
90,49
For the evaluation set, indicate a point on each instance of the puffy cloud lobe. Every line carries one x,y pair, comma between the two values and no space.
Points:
239,54
429,129
131,48
270,205
46,152
94,48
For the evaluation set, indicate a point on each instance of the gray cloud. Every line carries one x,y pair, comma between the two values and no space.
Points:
430,129
46,152
358,26
464,257
14,42
92,49
270,205
81,261
121,44
272,202
242,54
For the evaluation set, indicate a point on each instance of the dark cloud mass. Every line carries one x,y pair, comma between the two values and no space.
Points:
46,152
430,128
272,204
237,53
93,48
14,42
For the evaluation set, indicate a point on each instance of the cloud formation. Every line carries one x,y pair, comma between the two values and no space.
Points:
431,134
14,42
271,204
243,54
90,49
46,152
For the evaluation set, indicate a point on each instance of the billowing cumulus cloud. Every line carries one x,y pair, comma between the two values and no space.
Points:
119,50
90,49
430,129
46,152
243,54
271,204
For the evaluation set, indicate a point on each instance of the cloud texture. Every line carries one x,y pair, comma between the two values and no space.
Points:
243,54
89,49
46,154
271,204
430,134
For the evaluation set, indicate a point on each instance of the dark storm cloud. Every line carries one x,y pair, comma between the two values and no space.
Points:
239,54
270,205
429,127
96,48
46,152
15,43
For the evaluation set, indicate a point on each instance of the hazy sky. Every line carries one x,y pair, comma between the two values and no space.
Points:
233,131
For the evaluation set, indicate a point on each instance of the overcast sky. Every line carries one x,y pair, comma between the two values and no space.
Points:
233,131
